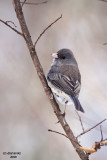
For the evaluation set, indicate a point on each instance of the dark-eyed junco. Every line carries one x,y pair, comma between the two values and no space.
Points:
65,78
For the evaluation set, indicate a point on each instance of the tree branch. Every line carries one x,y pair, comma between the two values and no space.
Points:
6,23
43,80
23,3
57,133
101,133
103,0
90,128
105,43
47,29
34,3
11,22
61,134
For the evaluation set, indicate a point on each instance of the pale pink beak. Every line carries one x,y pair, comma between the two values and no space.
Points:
54,55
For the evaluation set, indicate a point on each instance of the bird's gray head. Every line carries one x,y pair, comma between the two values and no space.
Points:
64,57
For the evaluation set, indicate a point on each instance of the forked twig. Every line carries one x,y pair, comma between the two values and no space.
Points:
6,23
11,22
96,145
47,29
91,128
23,3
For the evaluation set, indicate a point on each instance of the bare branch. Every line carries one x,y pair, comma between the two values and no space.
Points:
90,128
101,133
80,120
103,0
43,80
47,29
23,3
11,22
61,134
6,23
57,132
96,145
102,139
34,3
105,139
105,43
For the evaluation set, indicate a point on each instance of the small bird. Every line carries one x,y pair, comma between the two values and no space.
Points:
65,78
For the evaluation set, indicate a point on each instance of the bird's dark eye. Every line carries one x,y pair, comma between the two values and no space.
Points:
63,57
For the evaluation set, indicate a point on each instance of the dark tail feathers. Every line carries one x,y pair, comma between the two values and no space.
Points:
77,104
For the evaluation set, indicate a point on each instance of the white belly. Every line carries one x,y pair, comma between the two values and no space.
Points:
62,97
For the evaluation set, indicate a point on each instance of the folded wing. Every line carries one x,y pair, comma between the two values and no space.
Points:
67,85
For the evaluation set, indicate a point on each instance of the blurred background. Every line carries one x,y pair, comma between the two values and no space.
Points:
25,113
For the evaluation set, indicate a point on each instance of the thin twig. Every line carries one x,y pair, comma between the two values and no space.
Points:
57,132
105,139
103,0
62,135
80,120
23,3
90,128
105,43
101,133
35,3
11,22
47,29
6,23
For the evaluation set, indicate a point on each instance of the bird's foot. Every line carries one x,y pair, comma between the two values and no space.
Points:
61,114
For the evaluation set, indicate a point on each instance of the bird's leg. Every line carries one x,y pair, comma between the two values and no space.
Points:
63,114
65,108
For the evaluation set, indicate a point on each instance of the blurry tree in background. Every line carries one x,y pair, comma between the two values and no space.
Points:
25,114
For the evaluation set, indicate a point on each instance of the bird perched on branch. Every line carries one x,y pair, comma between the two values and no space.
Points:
65,78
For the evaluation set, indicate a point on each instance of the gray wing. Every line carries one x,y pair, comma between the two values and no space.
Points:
64,83
67,85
